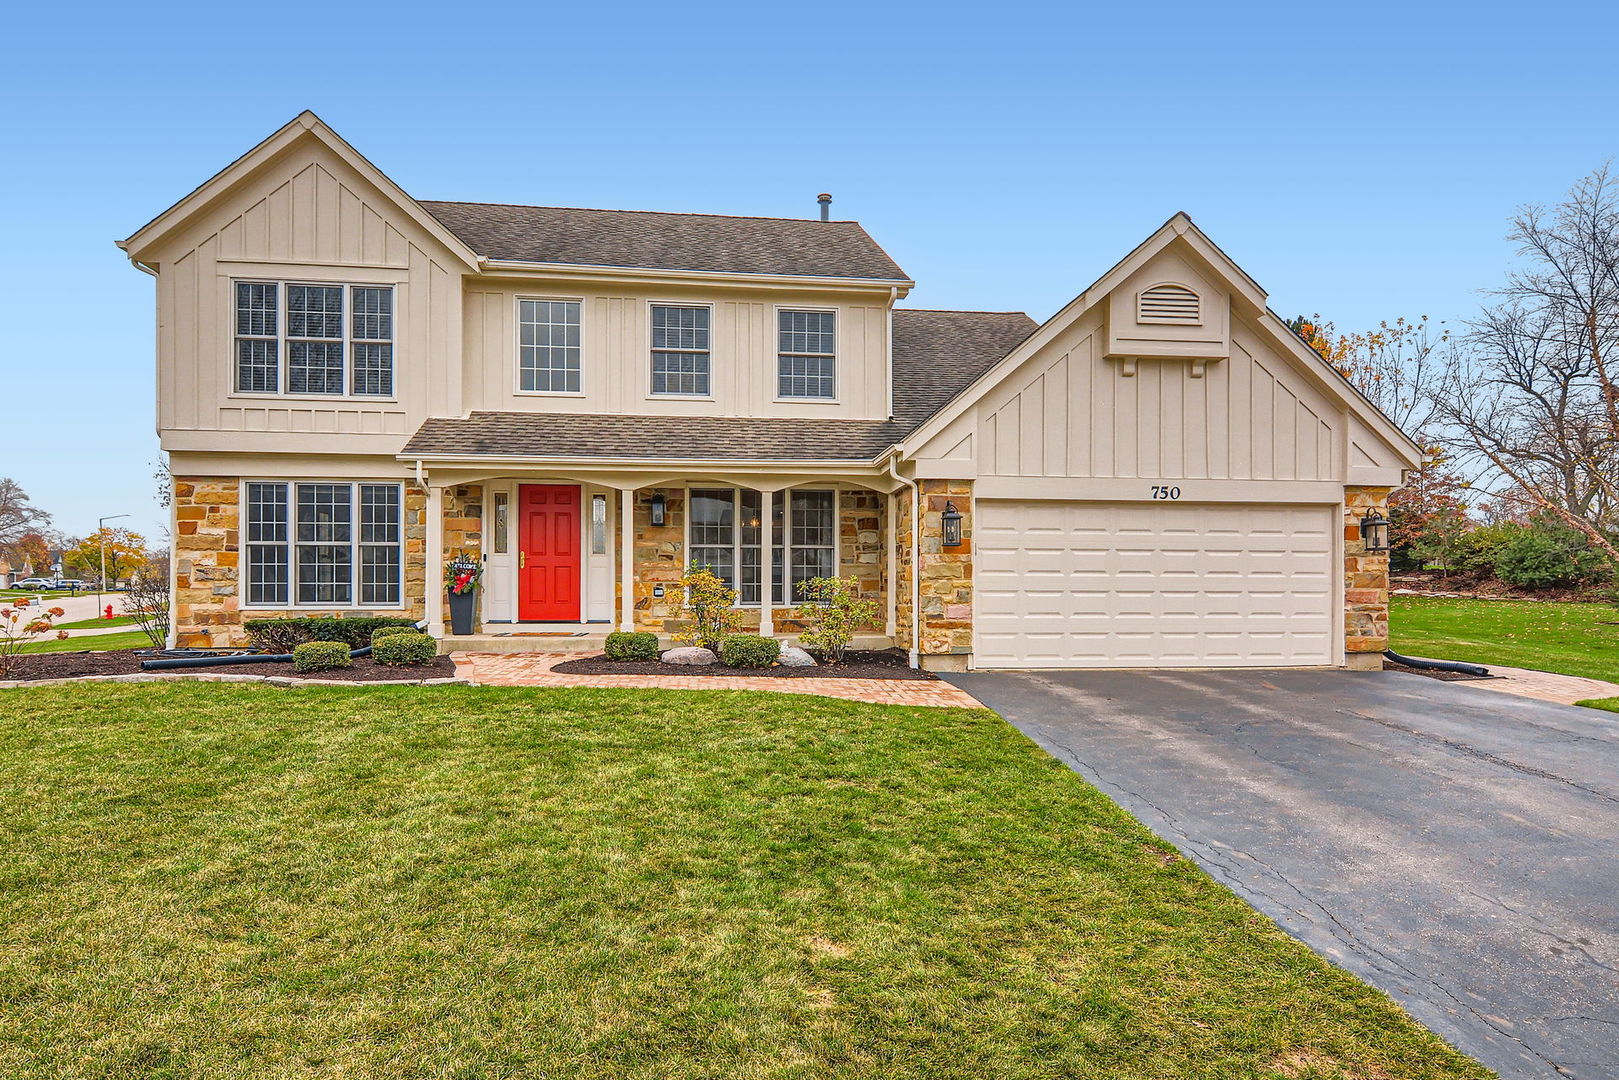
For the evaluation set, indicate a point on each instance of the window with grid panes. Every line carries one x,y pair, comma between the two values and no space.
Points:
324,544
680,350
310,339
806,358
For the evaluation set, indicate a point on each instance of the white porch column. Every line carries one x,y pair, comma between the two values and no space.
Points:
434,557
767,547
626,559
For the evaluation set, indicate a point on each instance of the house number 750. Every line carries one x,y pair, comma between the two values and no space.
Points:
1160,491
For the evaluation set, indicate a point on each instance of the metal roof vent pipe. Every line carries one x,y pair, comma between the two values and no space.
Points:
825,199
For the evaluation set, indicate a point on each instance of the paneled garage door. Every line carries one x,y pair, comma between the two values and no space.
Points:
1066,584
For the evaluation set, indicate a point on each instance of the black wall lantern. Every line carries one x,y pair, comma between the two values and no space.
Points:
951,519
1374,531
660,507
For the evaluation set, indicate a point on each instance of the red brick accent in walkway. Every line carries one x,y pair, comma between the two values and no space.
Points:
534,669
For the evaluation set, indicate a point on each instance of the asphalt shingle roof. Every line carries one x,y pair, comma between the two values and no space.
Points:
641,239
937,354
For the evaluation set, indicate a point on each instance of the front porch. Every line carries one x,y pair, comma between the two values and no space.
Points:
570,556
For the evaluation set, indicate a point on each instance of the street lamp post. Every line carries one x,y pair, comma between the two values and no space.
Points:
101,542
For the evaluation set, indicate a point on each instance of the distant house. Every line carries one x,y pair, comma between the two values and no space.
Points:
355,385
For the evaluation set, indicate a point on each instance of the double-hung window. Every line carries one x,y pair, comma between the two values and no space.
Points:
727,534
324,544
806,354
548,346
680,350
313,339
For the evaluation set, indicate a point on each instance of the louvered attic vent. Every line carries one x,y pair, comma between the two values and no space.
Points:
1168,304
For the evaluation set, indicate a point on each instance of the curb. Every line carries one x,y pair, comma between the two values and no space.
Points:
215,677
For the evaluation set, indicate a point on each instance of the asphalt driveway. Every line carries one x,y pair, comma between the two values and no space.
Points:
1457,847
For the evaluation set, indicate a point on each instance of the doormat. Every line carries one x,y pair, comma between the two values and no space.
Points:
542,633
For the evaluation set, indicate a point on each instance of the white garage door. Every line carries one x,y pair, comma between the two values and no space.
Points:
1065,584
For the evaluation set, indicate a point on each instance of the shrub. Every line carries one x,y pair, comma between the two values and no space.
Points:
281,635
320,656
1477,548
835,610
749,650
391,631
709,605
401,649
1546,554
623,645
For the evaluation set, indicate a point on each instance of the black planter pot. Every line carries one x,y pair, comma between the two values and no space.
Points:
461,612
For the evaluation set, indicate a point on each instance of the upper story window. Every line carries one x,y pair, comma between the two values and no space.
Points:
548,346
680,350
806,354
314,339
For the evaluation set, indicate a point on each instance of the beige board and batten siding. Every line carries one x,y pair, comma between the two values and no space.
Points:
305,215
616,349
1158,481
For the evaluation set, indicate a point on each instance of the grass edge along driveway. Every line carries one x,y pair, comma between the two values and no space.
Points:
222,881
1569,639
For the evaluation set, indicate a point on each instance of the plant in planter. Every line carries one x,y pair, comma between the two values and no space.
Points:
709,606
833,610
461,577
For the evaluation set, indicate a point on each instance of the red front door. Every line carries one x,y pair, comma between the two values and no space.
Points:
548,553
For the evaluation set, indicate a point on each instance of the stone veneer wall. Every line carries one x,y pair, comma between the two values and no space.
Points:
1366,582
947,577
207,562
660,558
462,511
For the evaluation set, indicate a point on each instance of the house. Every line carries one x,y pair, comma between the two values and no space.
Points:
354,385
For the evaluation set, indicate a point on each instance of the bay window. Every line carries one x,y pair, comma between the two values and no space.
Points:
324,544
726,534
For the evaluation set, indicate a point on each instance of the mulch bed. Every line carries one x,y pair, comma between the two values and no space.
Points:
885,664
1442,676
70,665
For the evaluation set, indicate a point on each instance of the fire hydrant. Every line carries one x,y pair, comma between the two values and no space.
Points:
108,613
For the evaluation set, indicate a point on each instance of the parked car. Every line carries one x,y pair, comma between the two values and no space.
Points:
32,583
71,584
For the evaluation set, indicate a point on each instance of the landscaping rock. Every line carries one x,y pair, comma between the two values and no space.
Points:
793,656
690,656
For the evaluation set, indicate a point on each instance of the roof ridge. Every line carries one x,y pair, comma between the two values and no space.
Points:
613,210
964,311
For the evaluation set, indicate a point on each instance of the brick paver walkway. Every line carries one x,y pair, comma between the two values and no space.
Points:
534,669
1545,686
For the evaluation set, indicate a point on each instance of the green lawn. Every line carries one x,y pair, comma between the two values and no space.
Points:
1611,704
209,881
132,639
91,624
1571,639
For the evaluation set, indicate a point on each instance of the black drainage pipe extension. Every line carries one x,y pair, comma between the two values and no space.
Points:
242,658
1436,665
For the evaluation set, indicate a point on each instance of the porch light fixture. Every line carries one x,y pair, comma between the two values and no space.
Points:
951,519
1374,531
660,506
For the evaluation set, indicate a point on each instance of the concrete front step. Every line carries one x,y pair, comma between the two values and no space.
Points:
590,643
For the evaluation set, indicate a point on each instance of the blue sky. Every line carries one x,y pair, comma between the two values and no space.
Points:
1360,160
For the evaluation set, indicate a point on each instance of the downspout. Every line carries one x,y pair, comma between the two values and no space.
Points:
916,561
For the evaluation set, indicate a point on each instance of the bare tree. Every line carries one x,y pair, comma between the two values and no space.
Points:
1530,398
147,600
18,516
